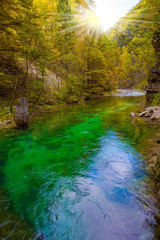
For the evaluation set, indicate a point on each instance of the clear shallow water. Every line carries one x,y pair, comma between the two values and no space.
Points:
77,173
129,93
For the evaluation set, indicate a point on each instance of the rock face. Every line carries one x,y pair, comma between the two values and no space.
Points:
22,116
154,76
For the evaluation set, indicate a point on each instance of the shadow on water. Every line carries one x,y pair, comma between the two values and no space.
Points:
77,173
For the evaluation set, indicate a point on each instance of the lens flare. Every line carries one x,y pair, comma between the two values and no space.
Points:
92,20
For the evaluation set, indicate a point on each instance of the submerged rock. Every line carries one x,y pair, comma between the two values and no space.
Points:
134,119
22,115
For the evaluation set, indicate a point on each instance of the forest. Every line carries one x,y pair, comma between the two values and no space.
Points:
50,54
79,121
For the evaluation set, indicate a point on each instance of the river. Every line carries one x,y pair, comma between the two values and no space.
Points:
78,174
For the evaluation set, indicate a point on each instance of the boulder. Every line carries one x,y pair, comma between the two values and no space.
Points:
22,116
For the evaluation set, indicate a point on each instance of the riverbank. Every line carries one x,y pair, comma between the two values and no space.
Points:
151,114
152,156
7,119
152,150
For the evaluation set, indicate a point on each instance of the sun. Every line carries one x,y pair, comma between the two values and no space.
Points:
87,22
92,20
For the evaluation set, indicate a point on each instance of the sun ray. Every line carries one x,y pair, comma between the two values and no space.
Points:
138,21
82,21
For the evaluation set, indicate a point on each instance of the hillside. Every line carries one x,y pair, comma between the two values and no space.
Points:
134,34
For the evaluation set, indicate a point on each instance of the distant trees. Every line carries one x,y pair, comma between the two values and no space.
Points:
133,35
40,37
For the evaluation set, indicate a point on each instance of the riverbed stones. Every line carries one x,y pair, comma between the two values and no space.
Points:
22,115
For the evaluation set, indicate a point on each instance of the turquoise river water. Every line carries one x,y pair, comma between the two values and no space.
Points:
77,174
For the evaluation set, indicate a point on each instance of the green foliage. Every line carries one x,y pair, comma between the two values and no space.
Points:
41,38
134,34
156,100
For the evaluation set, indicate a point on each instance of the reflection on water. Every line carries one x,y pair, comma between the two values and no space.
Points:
76,173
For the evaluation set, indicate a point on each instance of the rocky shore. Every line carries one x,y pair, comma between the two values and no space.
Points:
151,114
152,150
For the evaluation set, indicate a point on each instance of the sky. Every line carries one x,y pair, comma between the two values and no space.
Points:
110,11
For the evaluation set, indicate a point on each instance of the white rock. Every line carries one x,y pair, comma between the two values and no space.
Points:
132,114
143,114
